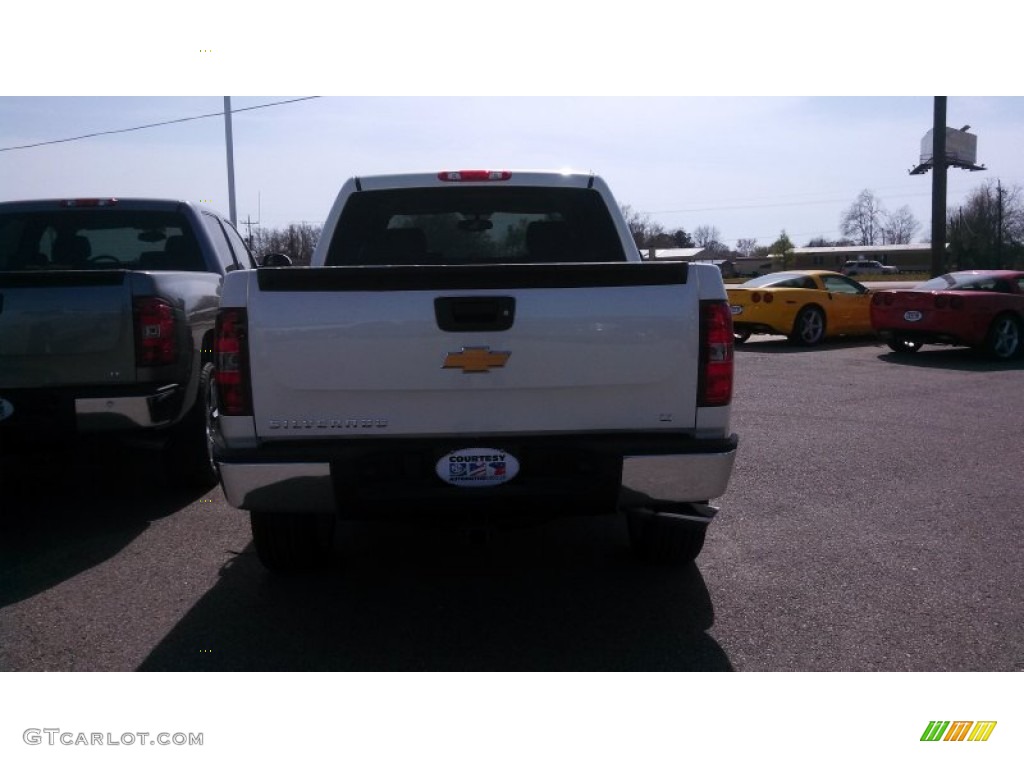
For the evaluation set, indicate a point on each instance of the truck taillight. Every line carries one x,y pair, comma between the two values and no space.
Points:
155,337
231,352
716,354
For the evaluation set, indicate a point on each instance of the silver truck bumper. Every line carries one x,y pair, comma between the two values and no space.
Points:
103,414
676,478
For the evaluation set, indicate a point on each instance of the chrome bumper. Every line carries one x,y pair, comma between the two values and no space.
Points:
105,414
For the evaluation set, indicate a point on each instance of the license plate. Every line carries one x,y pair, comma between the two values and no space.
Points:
912,316
736,310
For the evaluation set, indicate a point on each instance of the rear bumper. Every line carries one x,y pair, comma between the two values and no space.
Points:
108,414
937,328
359,475
44,413
935,332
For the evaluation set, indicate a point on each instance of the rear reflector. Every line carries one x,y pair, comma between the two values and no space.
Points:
155,342
474,175
714,387
231,353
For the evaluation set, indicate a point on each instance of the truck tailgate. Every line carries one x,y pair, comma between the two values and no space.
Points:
62,328
415,351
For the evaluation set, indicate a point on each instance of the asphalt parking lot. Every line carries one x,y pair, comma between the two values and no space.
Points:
873,523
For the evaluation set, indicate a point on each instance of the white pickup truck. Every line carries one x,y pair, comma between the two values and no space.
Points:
479,344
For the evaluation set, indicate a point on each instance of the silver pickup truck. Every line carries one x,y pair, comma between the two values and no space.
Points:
107,309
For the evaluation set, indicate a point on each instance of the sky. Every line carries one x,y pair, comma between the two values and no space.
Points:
749,166
751,118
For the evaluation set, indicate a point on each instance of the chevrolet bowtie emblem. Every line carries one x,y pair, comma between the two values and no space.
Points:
476,359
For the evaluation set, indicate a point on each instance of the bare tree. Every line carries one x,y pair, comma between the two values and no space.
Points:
987,231
899,227
296,241
862,220
746,245
643,228
705,235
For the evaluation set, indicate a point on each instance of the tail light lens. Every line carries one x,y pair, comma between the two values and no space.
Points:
155,337
769,298
716,354
883,298
231,361
755,297
941,301
956,302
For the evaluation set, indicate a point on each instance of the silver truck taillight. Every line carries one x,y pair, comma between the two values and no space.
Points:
231,352
155,337
716,354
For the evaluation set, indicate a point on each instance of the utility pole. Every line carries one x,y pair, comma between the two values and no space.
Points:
956,148
939,187
999,228
231,161
960,238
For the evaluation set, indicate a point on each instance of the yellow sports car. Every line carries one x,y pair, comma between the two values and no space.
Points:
805,305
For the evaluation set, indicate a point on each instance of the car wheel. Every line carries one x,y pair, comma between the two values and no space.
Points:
1004,336
288,542
188,453
809,328
739,337
901,345
663,540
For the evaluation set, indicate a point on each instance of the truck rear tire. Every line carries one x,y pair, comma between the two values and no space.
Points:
188,452
288,542
663,540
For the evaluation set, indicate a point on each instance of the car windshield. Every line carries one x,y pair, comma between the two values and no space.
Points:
959,281
796,279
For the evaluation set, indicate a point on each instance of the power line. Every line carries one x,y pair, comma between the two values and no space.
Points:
154,125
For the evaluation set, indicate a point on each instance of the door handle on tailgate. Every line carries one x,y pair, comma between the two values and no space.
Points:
462,314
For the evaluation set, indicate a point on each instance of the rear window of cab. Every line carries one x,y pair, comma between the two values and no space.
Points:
475,225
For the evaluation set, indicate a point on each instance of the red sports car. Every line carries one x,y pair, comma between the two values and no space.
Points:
983,309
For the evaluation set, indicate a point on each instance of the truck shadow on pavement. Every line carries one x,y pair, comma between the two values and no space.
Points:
563,596
63,514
